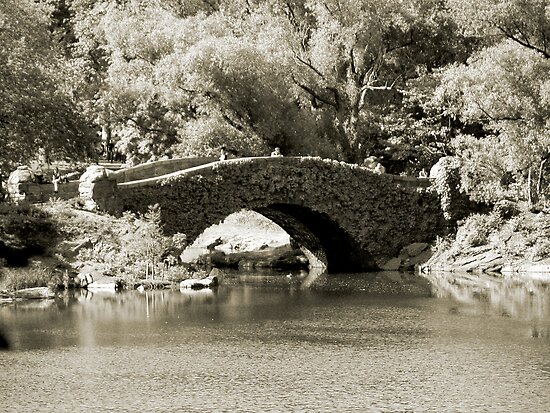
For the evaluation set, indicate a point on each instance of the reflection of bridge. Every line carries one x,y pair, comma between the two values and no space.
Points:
346,216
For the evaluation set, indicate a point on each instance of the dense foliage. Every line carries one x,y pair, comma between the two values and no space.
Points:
407,81
24,231
37,112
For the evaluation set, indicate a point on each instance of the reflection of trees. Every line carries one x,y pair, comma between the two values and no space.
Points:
522,299
134,306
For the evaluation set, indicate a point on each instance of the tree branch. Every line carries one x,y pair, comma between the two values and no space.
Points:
336,97
316,97
523,43
290,14
309,65
497,119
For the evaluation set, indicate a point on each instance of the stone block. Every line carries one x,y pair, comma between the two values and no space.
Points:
392,265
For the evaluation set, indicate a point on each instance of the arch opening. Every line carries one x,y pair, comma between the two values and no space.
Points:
246,239
321,236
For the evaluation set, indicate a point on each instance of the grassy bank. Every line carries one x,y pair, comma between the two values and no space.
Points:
44,245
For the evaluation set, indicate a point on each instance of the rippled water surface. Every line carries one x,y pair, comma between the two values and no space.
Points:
365,342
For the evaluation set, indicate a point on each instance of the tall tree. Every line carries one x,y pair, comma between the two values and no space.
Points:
506,88
36,110
353,56
187,86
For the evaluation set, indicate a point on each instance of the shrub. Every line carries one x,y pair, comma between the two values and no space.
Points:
475,230
30,277
506,209
145,243
541,249
24,231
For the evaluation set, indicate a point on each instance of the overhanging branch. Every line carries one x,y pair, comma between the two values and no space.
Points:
309,65
316,99
524,43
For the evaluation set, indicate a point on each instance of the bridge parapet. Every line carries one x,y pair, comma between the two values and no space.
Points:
158,168
209,165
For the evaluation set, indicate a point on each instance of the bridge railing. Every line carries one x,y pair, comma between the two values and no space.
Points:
206,168
158,168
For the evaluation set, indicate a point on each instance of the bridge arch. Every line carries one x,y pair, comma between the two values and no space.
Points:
319,237
347,216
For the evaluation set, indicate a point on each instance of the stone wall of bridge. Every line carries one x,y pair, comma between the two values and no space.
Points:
351,218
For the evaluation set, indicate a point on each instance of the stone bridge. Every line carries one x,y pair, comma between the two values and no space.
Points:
345,216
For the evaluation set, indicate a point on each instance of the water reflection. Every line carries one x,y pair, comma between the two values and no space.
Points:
251,296
350,342
507,297
526,300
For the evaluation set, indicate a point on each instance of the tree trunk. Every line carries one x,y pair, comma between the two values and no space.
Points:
348,119
106,134
539,181
529,192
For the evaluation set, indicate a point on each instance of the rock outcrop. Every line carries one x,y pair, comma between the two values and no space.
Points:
410,257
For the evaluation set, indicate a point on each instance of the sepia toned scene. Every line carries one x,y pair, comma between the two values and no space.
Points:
274,206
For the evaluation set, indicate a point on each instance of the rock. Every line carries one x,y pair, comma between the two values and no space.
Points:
217,273
372,163
21,174
82,280
439,167
102,285
34,293
282,257
479,262
192,254
391,265
99,192
413,250
94,173
419,259
197,284
19,183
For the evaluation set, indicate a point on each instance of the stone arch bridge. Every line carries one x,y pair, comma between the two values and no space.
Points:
346,216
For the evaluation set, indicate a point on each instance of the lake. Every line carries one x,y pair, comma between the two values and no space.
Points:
378,342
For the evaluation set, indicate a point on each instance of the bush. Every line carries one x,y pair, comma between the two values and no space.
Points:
506,209
476,229
18,278
24,231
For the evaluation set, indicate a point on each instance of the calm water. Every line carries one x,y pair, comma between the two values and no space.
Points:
365,342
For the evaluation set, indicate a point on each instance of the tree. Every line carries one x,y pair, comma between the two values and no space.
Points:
353,58
504,88
187,86
36,110
525,22
311,77
144,244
